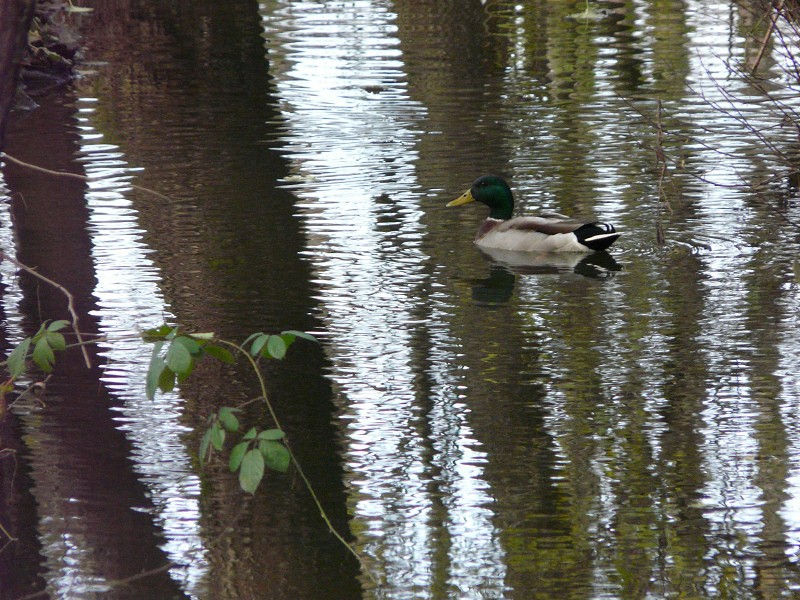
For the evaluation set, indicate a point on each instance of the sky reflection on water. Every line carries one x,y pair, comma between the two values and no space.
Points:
128,301
354,164
403,463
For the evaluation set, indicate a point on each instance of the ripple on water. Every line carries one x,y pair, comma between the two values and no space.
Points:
128,300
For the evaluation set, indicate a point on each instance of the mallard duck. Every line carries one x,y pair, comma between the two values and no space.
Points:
550,232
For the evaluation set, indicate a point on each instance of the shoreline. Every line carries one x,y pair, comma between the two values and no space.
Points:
54,49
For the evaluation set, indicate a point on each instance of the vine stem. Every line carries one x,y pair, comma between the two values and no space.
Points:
70,300
297,465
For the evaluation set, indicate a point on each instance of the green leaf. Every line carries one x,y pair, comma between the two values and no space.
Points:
228,418
43,355
56,325
191,345
166,380
16,360
237,454
252,471
220,353
250,434
289,336
258,343
204,445
217,436
288,339
56,340
178,357
185,375
202,336
157,365
276,455
38,335
157,334
276,347
250,338
271,434
300,334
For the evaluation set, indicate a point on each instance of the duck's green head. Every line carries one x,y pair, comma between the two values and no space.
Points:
492,191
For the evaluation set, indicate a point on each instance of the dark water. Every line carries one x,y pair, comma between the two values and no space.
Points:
619,426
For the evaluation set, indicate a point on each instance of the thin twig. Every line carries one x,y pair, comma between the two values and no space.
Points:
113,582
77,176
63,290
661,157
662,161
734,113
296,463
773,20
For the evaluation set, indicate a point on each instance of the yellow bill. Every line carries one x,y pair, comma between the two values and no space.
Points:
462,199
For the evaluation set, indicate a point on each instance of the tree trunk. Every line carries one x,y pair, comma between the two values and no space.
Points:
15,20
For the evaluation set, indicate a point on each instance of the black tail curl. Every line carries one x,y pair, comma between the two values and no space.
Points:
597,236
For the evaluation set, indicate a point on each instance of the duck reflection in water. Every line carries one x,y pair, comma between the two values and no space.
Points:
506,265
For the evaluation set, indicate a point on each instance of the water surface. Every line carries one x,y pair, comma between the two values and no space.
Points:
614,426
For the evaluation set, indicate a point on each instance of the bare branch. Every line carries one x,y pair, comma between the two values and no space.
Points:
70,300
39,169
